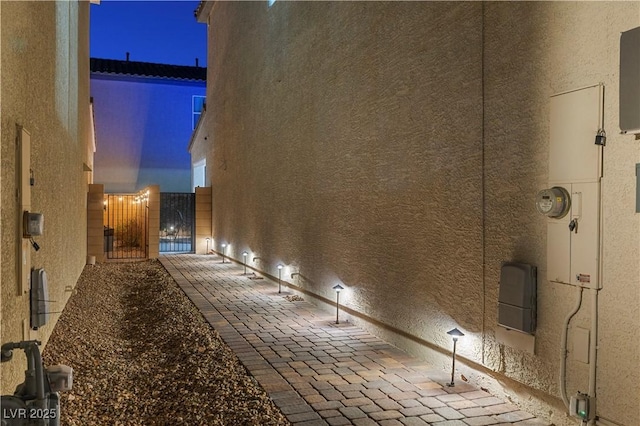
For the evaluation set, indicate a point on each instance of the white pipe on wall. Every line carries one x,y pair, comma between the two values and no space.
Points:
563,342
595,292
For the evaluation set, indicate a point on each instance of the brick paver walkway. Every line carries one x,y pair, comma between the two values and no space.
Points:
321,373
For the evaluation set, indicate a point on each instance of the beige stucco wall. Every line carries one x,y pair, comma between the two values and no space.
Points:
397,148
533,51
45,89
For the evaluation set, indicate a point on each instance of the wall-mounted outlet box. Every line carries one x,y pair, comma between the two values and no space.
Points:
580,406
32,224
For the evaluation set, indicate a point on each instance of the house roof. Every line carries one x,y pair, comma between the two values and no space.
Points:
147,69
202,11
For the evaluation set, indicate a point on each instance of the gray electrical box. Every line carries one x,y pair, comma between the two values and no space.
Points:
39,298
33,224
517,297
630,81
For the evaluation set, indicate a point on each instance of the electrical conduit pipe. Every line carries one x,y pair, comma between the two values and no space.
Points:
563,360
593,347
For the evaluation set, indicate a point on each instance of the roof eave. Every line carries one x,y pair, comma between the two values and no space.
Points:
203,10
199,128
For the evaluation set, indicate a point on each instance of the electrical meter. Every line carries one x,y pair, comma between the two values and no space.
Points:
554,202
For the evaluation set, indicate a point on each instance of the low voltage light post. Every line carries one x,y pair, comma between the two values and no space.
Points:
244,260
208,239
280,277
455,334
337,288
224,249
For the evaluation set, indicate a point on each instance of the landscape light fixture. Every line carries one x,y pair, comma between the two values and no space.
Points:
337,288
208,239
455,334
244,260
280,277
224,249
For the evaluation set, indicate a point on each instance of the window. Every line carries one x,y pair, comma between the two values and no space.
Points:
197,106
198,174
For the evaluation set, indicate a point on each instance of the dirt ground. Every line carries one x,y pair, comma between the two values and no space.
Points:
143,355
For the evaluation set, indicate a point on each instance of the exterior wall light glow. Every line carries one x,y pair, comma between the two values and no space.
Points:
337,288
455,334
244,260
224,250
280,266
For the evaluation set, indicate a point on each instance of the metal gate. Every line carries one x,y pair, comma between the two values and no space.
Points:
125,229
177,222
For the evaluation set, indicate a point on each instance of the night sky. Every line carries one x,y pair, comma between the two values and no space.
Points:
153,31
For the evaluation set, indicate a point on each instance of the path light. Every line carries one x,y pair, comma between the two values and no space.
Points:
455,333
244,260
224,250
280,277
337,288
208,239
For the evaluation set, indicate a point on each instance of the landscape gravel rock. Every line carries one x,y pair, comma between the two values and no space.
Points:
142,354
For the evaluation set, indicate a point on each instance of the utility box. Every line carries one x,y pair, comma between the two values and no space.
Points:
630,81
39,298
518,297
575,164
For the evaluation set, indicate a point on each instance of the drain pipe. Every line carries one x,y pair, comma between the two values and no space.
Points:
563,360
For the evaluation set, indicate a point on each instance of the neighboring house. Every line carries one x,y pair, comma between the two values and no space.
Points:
145,114
44,87
198,147
397,148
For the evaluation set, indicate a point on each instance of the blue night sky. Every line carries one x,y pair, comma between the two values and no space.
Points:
153,31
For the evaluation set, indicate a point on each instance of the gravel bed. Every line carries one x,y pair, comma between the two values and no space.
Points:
142,354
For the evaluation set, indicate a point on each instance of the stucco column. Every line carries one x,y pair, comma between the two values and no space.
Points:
153,222
203,219
95,222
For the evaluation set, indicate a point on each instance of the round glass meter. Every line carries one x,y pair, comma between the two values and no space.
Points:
553,202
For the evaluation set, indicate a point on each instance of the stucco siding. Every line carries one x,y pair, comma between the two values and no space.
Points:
535,50
45,89
397,148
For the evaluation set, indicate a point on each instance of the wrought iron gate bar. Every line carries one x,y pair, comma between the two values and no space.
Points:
177,222
125,232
